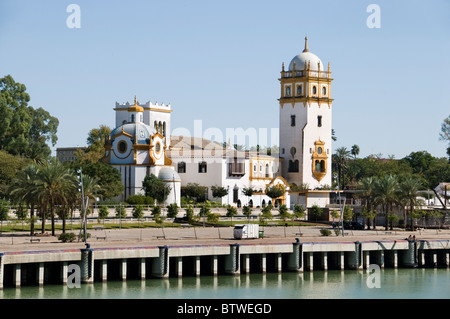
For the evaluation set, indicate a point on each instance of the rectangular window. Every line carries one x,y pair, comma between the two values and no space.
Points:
202,167
182,167
319,121
292,120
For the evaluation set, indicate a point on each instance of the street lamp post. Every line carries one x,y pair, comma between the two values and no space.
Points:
83,204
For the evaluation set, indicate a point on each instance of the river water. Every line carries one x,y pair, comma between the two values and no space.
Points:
420,283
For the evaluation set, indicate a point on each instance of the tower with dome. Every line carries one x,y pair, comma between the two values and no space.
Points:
305,123
138,146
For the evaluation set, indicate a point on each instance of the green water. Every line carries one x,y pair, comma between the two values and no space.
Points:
348,284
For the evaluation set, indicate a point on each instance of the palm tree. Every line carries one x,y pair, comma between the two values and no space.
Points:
366,191
23,188
54,181
355,151
386,193
340,159
409,190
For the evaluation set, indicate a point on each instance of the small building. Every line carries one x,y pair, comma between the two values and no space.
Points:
67,154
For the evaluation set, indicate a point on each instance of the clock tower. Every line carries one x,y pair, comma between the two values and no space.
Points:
305,121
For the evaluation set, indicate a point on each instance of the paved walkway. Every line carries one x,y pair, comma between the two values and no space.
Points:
205,236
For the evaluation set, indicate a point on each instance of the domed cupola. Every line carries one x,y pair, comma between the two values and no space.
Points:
136,112
305,60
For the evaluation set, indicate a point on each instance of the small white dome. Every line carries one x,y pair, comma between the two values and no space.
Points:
168,174
309,58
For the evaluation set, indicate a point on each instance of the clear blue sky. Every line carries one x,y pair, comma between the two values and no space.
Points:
219,62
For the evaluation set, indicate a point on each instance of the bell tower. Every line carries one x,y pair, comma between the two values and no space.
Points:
305,120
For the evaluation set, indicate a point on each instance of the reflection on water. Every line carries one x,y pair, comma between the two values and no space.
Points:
395,283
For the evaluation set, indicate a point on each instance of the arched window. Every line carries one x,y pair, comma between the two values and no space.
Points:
267,170
288,91
299,90
314,89
320,166
132,118
324,91
164,129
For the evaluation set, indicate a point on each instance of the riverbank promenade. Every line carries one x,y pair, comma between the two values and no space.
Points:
186,236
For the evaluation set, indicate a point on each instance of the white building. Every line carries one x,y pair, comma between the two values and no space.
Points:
142,144
137,147
209,164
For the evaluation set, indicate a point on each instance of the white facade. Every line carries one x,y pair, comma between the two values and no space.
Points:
208,164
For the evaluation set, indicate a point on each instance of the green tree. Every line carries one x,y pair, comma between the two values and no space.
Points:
108,178
172,210
386,194
156,188
121,212
194,191
10,165
284,213
24,130
138,212
4,210
355,151
189,212
23,188
103,212
54,184
444,135
247,211
248,191
409,189
219,191
96,145
266,214
231,212
315,211
299,211
274,192
366,191
340,161
348,213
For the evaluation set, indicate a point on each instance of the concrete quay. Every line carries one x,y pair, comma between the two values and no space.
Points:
145,253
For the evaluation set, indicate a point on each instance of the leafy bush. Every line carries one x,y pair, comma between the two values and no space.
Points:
140,199
67,237
325,232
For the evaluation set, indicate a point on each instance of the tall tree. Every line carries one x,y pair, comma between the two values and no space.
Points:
366,191
24,130
408,192
54,183
96,144
355,151
386,194
24,187
340,159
